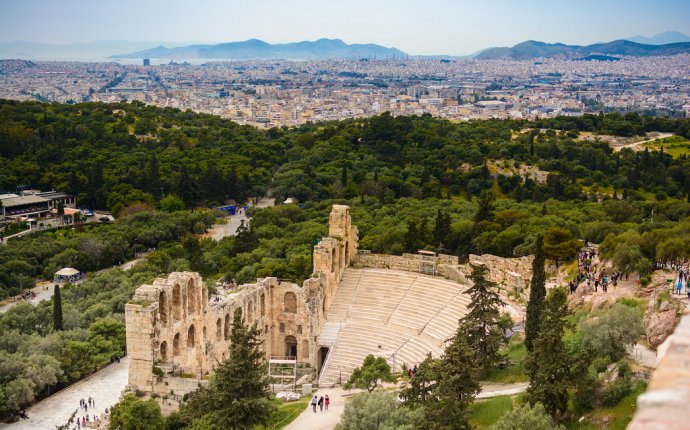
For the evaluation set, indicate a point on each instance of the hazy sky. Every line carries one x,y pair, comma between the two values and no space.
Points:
417,27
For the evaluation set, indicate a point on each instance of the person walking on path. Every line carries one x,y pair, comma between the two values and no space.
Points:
313,403
327,401
321,403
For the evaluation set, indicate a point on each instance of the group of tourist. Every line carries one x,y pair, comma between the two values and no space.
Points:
86,419
591,274
412,371
321,402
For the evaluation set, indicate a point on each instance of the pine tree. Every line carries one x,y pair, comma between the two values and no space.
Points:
482,322
549,364
441,227
456,387
537,293
57,308
238,396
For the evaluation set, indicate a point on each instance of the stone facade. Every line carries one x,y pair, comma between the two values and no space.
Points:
175,335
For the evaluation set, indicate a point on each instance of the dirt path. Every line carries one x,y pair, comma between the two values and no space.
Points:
636,146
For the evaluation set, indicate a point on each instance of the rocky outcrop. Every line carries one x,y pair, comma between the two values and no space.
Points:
660,319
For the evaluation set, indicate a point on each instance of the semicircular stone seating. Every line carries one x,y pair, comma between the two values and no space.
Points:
401,316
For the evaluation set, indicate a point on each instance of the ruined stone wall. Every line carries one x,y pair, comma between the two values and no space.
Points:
406,262
509,273
173,327
664,404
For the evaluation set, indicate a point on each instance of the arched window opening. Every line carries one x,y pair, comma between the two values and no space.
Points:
191,298
163,307
219,329
164,350
263,304
177,303
176,344
333,260
290,303
190,336
250,311
226,329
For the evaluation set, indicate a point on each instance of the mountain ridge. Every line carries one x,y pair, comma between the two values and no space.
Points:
532,49
254,49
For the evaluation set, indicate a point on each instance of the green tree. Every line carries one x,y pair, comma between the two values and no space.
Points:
238,396
485,207
482,324
456,387
549,363
627,258
526,417
343,177
57,308
378,411
537,294
419,390
559,244
411,237
441,228
171,203
374,370
611,334
132,413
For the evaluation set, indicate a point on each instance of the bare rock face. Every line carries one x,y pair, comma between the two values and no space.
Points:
659,323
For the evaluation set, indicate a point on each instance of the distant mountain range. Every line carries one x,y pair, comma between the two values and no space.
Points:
254,49
661,38
532,49
90,51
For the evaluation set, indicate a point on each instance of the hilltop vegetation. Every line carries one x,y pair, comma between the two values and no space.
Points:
113,155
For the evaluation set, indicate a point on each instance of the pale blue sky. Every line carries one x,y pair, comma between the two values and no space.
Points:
416,27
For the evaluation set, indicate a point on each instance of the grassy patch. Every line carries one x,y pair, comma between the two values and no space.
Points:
486,412
676,146
614,418
515,372
285,414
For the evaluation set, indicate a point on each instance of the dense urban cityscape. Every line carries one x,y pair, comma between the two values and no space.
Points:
284,93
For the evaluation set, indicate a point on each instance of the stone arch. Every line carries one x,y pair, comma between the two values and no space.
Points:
191,334
176,344
226,327
333,260
291,346
219,329
163,307
305,349
262,304
177,303
347,253
203,334
290,303
250,311
191,297
164,350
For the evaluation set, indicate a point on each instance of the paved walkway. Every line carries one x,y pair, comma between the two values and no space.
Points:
104,386
325,420
643,355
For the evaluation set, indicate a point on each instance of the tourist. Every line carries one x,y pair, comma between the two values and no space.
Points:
679,287
414,370
327,401
321,403
313,403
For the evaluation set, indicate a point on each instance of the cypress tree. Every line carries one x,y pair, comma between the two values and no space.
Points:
481,324
238,396
441,227
57,308
549,364
343,176
537,293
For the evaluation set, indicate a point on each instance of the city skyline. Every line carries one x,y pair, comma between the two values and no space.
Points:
439,27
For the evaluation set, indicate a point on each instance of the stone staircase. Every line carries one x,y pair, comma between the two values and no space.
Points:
401,316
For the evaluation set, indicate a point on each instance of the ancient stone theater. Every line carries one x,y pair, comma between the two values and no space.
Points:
355,303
